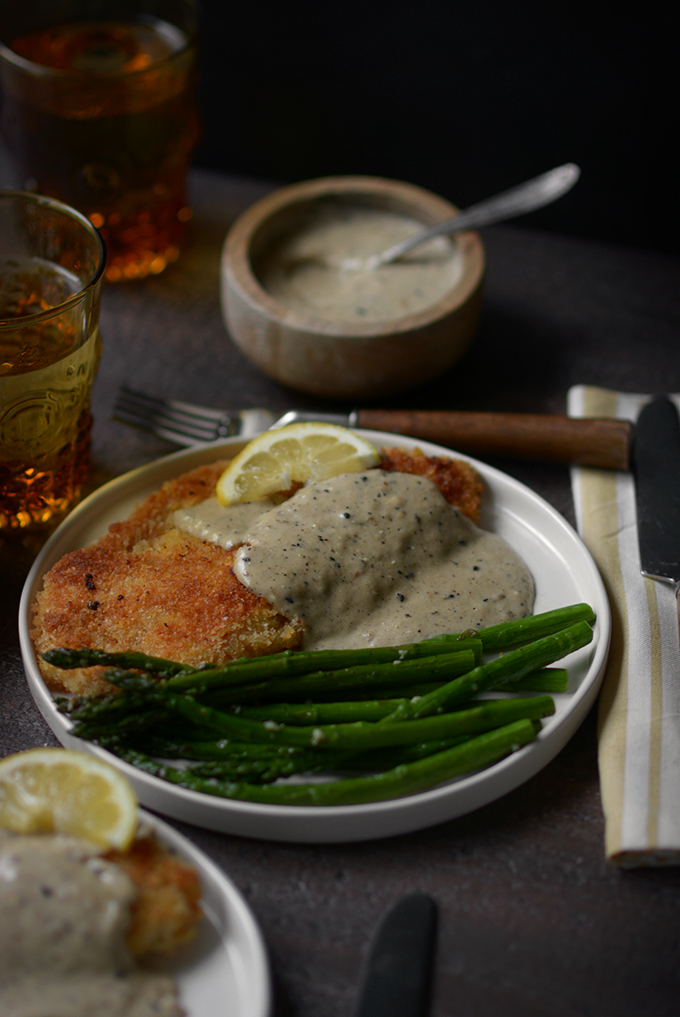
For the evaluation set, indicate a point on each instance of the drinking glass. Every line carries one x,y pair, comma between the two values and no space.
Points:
99,111
51,266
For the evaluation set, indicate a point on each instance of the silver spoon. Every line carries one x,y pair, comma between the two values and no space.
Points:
524,198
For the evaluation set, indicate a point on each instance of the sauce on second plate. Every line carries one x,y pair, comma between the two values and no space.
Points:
64,915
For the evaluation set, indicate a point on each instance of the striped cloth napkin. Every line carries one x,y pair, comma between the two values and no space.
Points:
639,706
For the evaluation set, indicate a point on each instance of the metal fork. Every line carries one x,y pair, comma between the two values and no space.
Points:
186,424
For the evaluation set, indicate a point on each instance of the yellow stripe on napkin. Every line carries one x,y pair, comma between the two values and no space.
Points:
639,708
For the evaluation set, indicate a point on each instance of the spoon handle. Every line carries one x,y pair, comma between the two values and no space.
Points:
557,439
526,197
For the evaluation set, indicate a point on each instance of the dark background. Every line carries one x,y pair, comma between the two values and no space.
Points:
465,99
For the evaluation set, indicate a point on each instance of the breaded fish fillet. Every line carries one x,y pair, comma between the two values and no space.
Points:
148,586
167,909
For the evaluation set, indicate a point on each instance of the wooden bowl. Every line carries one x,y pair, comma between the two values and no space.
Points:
345,360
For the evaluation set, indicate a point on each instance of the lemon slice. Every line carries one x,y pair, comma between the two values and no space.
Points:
296,453
70,792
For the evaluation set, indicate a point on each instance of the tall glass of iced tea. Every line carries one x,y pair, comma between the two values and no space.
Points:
52,262
99,110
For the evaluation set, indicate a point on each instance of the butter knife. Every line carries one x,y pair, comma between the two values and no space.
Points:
396,979
656,466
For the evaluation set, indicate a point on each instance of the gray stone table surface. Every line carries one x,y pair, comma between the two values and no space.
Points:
532,919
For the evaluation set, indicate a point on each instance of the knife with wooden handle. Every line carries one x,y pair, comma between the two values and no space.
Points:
557,439
551,438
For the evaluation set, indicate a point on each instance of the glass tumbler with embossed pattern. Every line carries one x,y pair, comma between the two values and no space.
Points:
52,262
99,111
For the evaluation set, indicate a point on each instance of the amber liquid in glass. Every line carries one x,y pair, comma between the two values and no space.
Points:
114,136
45,383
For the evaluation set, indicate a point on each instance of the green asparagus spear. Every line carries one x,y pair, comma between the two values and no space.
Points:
535,626
516,663
378,760
547,679
479,752
67,659
343,711
227,760
313,667
222,749
268,768
262,770
362,735
320,713
363,676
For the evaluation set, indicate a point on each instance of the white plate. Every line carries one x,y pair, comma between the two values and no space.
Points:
224,971
564,573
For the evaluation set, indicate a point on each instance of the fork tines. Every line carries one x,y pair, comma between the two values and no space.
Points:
173,420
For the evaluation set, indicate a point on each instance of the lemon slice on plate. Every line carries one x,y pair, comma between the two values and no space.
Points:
296,453
66,791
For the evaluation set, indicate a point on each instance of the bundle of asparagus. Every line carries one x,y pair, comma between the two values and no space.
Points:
381,722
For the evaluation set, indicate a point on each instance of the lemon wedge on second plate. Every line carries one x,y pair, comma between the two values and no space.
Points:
296,453
65,791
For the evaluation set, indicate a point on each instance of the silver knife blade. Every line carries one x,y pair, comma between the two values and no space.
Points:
396,980
656,466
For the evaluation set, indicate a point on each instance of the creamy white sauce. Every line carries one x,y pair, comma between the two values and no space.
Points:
64,914
210,521
376,559
304,271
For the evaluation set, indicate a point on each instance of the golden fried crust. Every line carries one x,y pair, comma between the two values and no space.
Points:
149,587
146,586
150,518
167,909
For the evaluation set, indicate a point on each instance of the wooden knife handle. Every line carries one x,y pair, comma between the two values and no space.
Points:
584,442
